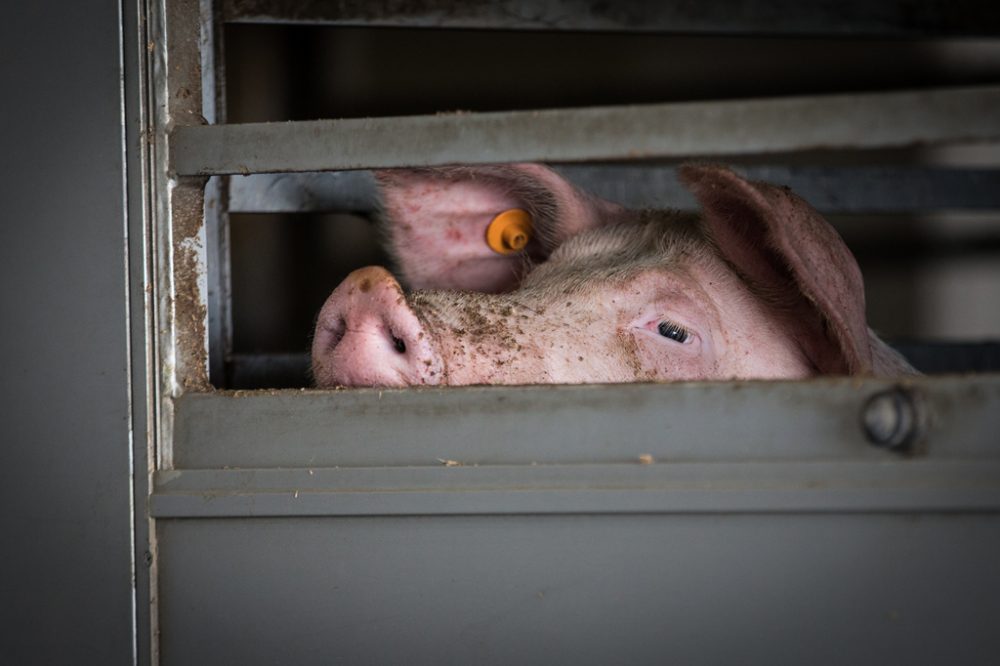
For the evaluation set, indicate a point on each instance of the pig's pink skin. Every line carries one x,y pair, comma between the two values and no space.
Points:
764,287
358,329
609,333
778,242
605,332
439,220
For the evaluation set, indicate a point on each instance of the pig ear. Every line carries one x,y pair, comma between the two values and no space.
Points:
793,258
436,222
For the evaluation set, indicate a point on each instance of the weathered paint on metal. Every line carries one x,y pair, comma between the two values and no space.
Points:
640,486
675,130
810,420
179,203
189,310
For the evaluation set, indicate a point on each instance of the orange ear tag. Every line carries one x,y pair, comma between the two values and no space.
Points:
509,232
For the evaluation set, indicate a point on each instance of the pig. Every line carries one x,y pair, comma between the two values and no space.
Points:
759,287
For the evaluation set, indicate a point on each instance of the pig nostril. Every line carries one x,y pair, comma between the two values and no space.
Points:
338,332
398,344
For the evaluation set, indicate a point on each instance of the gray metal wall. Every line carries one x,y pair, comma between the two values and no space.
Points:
65,579
623,589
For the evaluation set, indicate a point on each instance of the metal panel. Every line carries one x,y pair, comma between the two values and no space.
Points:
671,487
812,420
819,588
65,458
896,18
677,130
828,189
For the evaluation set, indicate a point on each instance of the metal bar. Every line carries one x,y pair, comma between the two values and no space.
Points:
829,189
180,205
255,371
329,191
217,238
172,40
290,370
143,384
954,357
589,489
676,130
898,18
810,420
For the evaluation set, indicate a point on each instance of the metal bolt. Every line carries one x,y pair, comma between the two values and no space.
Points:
892,419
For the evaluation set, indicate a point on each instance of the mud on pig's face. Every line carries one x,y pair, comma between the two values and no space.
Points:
761,287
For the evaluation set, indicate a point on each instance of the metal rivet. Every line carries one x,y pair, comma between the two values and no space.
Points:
892,419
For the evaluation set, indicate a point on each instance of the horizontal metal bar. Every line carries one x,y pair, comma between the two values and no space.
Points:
683,422
637,488
273,371
317,192
829,189
676,130
953,357
897,18
287,370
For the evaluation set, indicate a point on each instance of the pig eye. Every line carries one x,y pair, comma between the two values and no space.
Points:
673,331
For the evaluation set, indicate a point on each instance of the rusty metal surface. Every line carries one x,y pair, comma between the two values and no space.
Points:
676,130
897,18
171,38
189,310
178,213
829,189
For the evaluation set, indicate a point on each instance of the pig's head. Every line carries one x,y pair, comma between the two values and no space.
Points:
760,287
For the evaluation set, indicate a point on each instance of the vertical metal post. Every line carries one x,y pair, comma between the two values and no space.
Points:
180,205
177,239
220,338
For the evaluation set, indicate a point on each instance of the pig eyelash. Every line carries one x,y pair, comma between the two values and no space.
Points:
672,331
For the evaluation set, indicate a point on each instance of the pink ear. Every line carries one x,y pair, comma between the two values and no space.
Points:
793,258
436,221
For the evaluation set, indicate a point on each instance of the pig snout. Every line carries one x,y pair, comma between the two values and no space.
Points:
367,335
